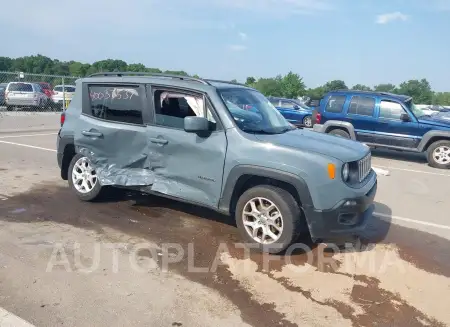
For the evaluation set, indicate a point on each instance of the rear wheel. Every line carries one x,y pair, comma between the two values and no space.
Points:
269,218
307,121
339,133
83,178
438,154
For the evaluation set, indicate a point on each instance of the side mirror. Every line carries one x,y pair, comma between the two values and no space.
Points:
296,107
194,124
405,117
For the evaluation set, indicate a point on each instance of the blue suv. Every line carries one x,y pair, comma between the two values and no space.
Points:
295,112
385,120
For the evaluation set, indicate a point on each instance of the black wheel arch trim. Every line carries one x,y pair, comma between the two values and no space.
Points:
425,142
340,124
241,170
63,142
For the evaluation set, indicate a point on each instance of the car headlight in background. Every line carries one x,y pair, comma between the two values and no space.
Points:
345,172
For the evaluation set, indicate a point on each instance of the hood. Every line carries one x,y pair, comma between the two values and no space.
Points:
328,145
439,119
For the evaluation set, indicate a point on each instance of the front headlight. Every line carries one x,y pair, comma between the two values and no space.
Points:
345,172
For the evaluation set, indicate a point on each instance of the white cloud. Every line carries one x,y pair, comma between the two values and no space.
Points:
391,17
237,47
243,36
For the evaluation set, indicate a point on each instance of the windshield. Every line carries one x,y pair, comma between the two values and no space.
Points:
253,112
416,110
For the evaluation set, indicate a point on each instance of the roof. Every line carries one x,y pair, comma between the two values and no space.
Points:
166,79
399,97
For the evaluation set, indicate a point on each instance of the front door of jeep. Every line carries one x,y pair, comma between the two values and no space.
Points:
190,166
392,130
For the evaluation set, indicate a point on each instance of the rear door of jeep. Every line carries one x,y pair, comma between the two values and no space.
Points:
111,131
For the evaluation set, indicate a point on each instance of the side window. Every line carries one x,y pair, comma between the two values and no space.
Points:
118,103
363,106
335,103
171,107
390,110
275,103
287,105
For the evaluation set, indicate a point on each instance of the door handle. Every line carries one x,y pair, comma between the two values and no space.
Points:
158,140
95,134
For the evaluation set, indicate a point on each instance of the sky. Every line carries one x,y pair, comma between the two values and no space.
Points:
359,41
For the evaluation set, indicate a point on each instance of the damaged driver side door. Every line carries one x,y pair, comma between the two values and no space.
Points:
112,133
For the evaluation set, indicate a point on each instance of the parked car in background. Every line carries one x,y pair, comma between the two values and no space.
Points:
385,120
158,135
61,92
24,94
296,112
47,88
2,93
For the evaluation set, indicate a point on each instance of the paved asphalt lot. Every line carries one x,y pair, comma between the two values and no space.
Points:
59,267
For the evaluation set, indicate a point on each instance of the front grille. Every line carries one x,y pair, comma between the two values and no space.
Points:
364,167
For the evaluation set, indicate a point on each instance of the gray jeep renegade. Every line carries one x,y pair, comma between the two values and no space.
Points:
219,145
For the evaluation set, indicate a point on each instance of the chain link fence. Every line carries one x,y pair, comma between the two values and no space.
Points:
29,101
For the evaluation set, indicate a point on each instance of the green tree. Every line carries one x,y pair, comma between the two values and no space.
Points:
335,85
361,87
292,86
419,90
176,72
136,68
316,93
442,98
269,86
250,81
391,88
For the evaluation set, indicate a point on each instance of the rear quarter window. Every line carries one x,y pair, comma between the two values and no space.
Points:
363,106
120,103
336,103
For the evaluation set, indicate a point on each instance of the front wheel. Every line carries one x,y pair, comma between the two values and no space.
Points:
269,218
83,178
438,154
307,121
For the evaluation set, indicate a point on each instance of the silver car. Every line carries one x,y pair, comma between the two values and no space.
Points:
61,92
23,94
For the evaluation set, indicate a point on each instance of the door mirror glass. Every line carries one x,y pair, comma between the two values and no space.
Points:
405,117
194,124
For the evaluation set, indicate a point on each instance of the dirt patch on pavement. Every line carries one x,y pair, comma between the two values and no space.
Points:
204,237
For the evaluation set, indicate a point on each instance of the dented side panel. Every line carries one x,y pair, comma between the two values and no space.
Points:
187,165
119,152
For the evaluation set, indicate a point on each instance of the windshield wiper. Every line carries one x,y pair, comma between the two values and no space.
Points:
258,131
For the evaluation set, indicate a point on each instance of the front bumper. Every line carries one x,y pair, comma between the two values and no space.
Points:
348,218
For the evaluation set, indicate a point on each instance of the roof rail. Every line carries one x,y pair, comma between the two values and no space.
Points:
225,82
180,77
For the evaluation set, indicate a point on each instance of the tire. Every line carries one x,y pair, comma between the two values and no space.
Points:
293,223
89,195
307,121
436,149
339,133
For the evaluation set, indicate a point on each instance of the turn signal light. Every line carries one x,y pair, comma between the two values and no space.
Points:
331,171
